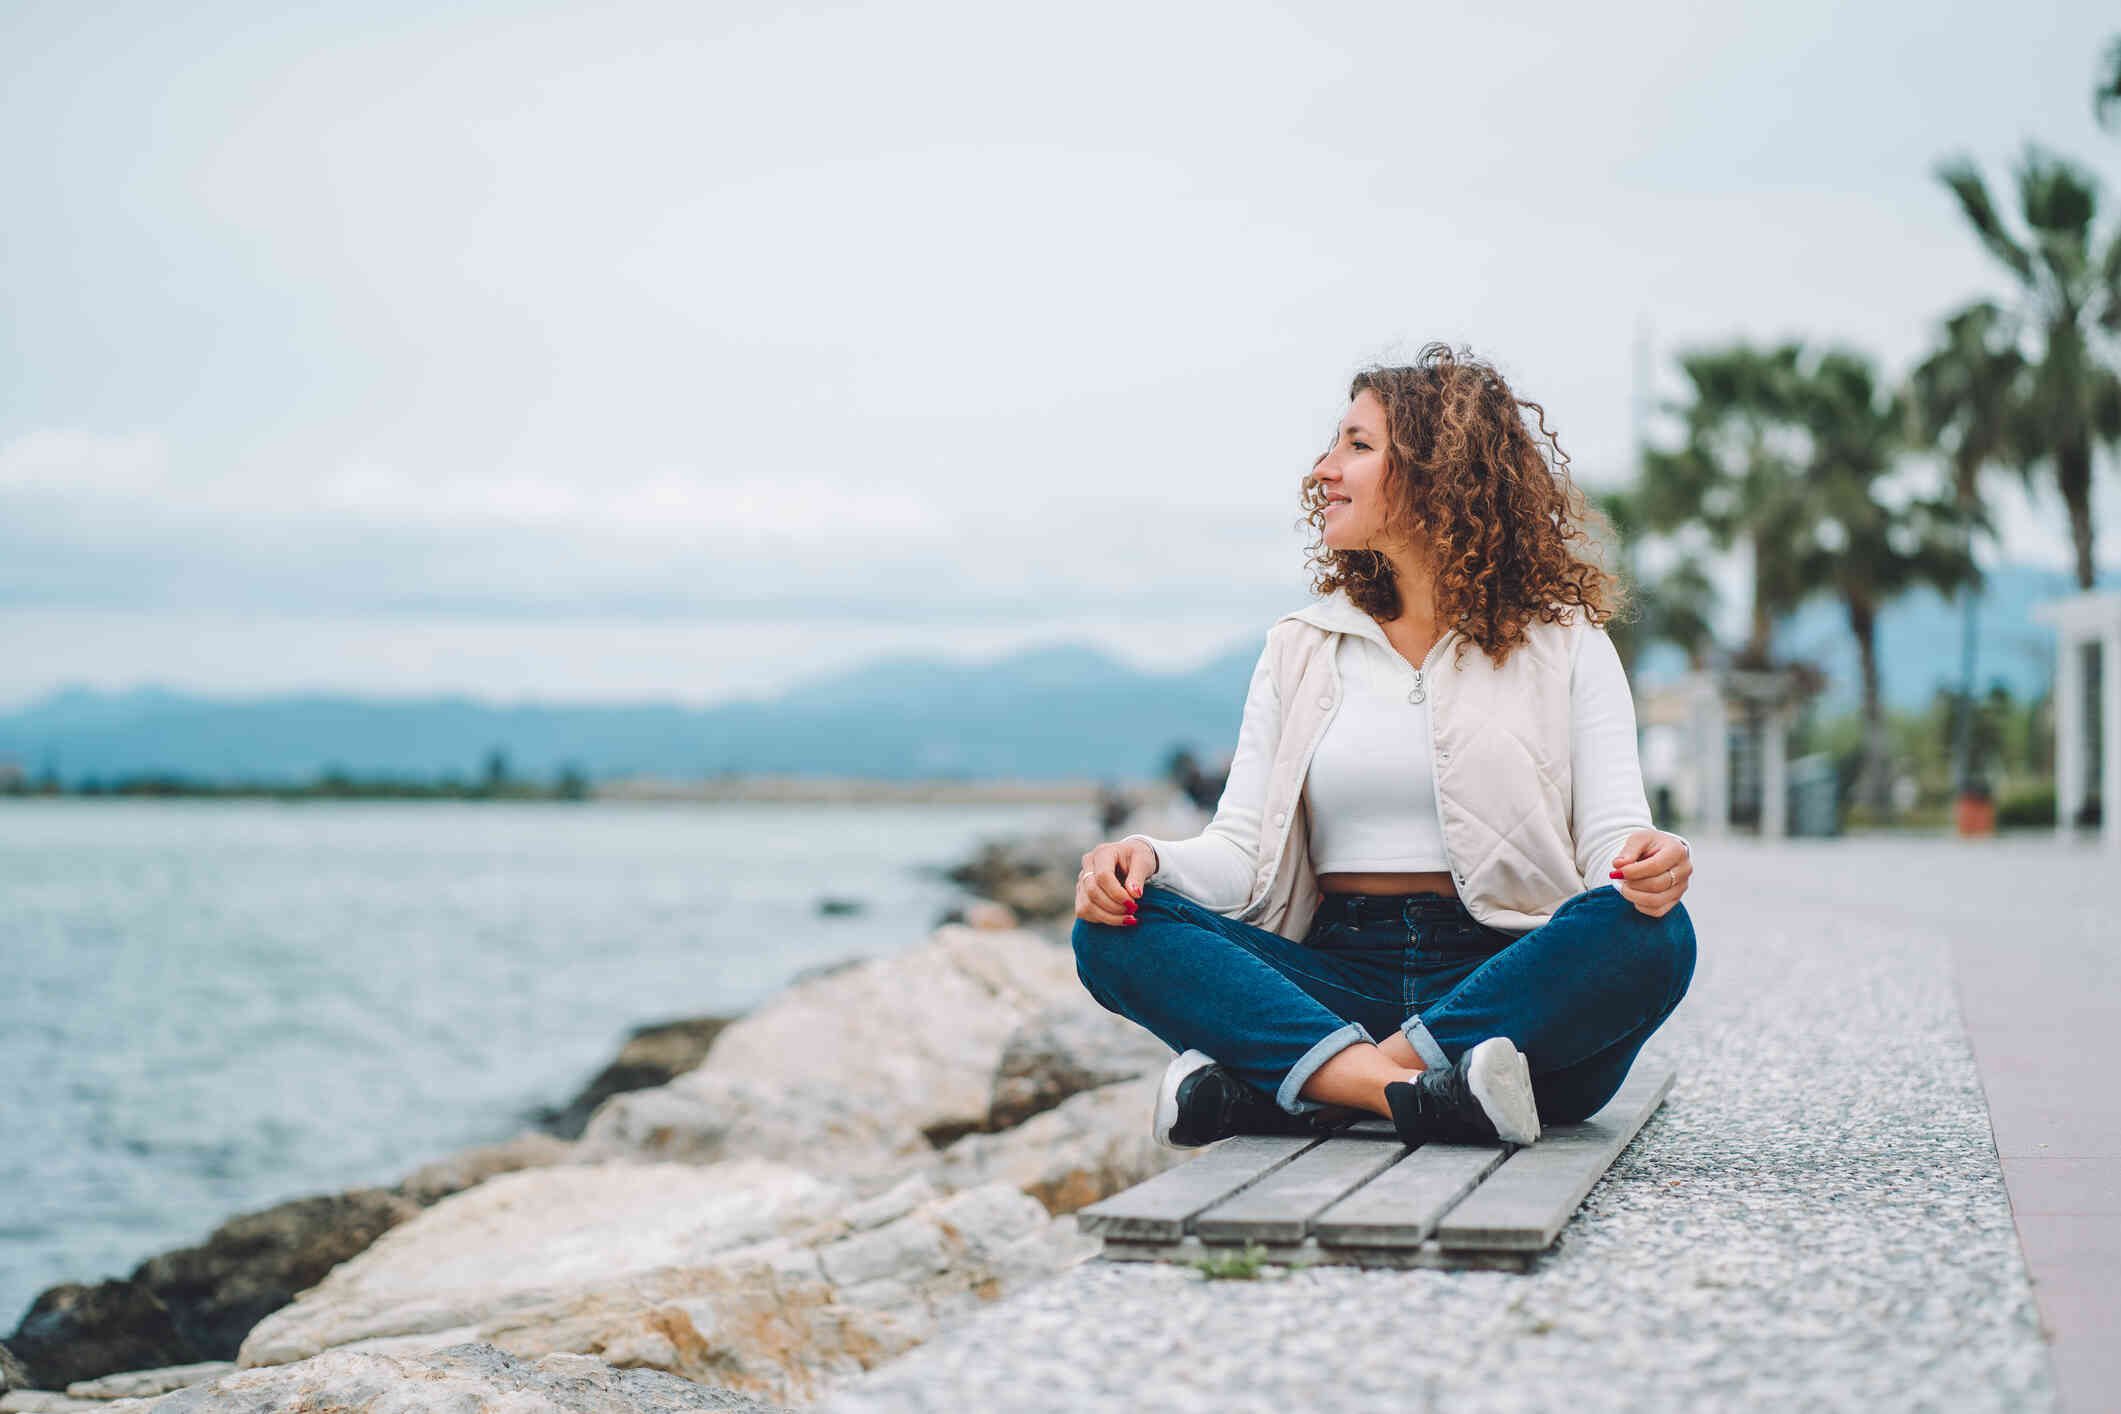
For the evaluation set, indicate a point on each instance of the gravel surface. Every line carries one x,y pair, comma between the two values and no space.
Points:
1815,1220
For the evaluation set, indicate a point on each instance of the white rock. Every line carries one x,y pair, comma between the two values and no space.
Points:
141,1384
467,1377
899,1201
908,1249
1070,1046
517,1239
990,1219
717,1115
45,1401
986,913
846,1072
529,1149
1093,1145
729,1274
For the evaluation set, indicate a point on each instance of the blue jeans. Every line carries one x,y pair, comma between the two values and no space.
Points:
1578,995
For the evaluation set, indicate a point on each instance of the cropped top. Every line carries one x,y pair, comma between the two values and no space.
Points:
1371,789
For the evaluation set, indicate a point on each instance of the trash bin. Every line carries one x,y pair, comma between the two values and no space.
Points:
1814,808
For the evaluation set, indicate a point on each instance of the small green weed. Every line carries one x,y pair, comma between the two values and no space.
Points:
1235,1266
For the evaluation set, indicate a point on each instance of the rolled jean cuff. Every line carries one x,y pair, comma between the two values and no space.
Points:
1424,1044
1300,1073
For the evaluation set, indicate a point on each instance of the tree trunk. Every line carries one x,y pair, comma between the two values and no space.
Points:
1758,645
1874,784
1966,772
2073,478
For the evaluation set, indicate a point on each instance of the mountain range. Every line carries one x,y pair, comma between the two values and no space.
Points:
1055,710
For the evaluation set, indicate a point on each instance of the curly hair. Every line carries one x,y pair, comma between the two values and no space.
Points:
1465,473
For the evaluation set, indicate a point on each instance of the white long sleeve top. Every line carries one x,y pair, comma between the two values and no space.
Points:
1370,788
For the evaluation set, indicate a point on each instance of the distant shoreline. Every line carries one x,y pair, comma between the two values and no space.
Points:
861,790
821,790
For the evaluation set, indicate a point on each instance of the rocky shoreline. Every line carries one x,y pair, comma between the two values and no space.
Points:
757,1206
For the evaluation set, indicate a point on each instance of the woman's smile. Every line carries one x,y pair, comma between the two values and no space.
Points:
1356,459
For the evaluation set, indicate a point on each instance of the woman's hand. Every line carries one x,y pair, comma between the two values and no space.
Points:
1112,880
1651,871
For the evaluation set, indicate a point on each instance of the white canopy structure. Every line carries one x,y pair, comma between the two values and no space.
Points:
2080,620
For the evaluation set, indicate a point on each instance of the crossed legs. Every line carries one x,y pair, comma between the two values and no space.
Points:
1578,996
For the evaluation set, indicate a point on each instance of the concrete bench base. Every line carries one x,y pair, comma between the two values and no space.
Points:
1361,1198
1311,1252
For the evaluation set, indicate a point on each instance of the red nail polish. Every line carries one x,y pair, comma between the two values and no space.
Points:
1129,921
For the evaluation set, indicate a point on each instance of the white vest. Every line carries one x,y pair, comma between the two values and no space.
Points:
1500,750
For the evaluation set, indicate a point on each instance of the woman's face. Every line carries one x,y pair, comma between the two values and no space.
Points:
1352,475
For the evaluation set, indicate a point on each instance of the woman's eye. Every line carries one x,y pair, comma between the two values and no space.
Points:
1363,445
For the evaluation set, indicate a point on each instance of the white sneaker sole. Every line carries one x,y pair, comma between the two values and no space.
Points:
1501,1080
1165,1113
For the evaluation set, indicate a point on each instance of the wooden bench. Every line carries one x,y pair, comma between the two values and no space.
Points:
1362,1198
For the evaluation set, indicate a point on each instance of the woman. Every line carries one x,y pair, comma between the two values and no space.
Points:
1435,781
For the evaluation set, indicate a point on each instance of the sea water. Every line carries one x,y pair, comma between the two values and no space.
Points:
214,1006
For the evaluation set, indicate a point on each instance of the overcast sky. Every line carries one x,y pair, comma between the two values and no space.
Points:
682,350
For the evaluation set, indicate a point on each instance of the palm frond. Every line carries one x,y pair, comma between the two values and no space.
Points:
2106,94
2110,286
1964,179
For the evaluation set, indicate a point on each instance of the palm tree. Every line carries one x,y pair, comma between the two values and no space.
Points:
1677,607
1865,550
2073,400
1739,474
1961,401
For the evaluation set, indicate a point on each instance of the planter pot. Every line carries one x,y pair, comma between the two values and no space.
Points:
1974,815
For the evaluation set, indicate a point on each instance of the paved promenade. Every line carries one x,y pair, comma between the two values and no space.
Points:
1817,1219
2043,1013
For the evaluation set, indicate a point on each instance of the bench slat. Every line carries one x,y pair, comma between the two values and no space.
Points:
1526,1202
1157,1209
1279,1207
1402,1206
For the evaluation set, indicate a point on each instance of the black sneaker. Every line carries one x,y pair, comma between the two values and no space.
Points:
1200,1101
1486,1097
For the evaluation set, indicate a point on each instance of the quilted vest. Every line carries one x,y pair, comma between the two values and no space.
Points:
1499,739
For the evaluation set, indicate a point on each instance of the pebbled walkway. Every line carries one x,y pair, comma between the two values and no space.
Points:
1816,1219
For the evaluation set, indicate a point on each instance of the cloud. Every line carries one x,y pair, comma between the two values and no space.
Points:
926,314
369,539
72,463
653,505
